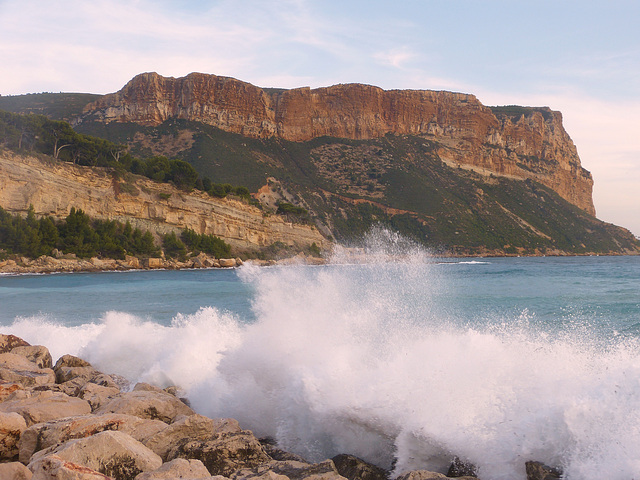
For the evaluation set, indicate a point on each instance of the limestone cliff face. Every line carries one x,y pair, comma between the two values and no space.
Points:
470,135
54,187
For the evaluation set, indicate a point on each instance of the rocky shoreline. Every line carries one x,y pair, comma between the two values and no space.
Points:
69,263
69,421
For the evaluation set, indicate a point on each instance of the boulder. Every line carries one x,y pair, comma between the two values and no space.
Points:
188,428
96,394
114,454
35,353
540,471
292,470
45,406
8,389
9,342
14,471
70,361
44,435
459,468
17,369
11,427
421,475
224,453
355,468
177,469
151,404
55,468
227,262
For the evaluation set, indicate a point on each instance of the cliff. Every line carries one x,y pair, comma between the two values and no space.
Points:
517,143
54,187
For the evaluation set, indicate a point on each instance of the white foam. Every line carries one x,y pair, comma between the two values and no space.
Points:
356,359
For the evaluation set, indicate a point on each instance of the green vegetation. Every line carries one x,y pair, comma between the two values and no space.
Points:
77,234
209,244
516,111
39,134
57,106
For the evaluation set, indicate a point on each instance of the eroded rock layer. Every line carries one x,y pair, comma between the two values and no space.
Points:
52,188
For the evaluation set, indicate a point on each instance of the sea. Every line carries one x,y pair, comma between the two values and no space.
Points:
388,352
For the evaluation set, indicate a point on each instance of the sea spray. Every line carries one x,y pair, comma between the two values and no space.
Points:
363,356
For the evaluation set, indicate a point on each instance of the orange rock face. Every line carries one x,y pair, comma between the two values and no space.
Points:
533,145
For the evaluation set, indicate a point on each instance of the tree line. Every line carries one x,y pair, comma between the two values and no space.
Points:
39,134
85,237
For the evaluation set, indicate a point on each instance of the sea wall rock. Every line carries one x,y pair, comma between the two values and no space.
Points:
177,469
14,471
18,369
40,407
111,453
11,427
533,144
55,468
147,404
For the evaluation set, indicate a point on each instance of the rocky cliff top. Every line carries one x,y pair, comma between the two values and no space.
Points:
514,142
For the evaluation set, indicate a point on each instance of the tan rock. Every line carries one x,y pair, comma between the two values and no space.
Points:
132,261
114,454
185,429
350,466
18,369
227,262
11,427
225,453
147,404
154,263
35,353
291,469
44,435
14,471
9,342
176,469
70,361
96,394
45,406
421,475
8,389
53,467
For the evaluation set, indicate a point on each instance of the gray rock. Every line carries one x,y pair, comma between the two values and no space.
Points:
355,468
421,475
459,468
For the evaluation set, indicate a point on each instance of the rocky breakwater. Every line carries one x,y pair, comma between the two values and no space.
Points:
52,188
69,421
516,142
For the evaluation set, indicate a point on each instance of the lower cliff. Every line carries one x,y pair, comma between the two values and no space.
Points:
53,187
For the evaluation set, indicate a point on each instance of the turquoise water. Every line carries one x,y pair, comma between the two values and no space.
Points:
410,362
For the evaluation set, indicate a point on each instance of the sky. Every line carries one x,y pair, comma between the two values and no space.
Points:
579,57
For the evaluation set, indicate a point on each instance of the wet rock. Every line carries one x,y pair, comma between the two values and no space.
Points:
279,454
355,468
459,468
36,354
9,342
11,427
111,453
18,369
540,471
154,405
55,468
177,469
44,435
45,406
188,428
14,471
225,453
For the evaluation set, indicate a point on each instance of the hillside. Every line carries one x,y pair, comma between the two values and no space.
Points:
437,166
